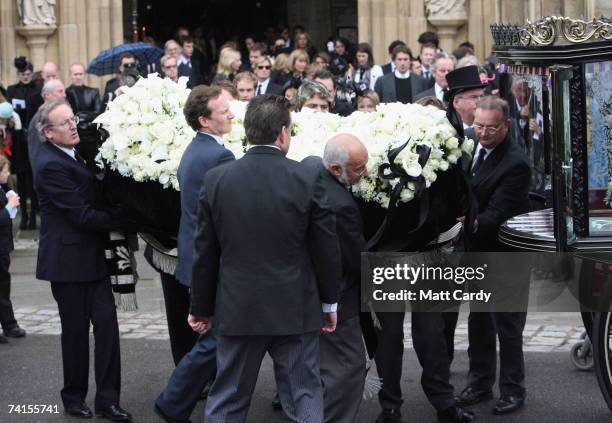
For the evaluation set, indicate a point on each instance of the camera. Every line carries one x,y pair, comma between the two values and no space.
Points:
129,76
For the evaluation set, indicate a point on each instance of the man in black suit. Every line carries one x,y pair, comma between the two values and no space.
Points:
267,262
81,97
342,352
390,67
71,256
441,65
500,181
188,65
426,56
401,85
263,69
207,112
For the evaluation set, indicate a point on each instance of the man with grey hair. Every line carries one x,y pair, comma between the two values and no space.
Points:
313,95
52,90
71,257
441,64
343,366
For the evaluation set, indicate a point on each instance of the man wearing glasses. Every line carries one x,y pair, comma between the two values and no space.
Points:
500,181
71,257
262,70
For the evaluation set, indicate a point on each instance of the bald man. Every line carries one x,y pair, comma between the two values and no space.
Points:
49,71
343,363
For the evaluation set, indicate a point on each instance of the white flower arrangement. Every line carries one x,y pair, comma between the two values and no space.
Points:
148,131
148,135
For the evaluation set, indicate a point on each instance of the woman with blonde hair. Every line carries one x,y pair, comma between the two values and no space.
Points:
302,42
298,61
229,63
281,69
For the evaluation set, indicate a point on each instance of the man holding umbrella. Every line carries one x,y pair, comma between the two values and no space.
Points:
127,61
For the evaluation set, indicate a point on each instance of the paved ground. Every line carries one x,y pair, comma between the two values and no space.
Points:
30,369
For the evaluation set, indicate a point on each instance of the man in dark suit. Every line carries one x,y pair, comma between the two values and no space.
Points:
71,256
442,64
390,67
500,181
81,97
426,56
188,65
342,352
262,69
401,85
268,218
207,112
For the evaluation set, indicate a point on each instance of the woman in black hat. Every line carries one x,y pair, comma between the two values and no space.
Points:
22,97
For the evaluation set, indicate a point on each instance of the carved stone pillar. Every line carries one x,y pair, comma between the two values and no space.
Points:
447,16
37,37
7,41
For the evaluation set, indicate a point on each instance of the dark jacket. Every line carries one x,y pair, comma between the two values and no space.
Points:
73,224
194,73
385,87
84,99
349,228
273,88
30,93
266,253
201,155
501,187
6,226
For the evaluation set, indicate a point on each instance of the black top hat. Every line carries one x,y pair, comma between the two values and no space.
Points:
466,78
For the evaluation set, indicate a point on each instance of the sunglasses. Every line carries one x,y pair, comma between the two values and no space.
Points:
263,67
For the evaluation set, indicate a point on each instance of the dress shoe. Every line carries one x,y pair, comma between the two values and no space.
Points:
3,340
456,414
14,332
32,224
167,418
114,413
508,404
276,404
471,396
389,415
81,411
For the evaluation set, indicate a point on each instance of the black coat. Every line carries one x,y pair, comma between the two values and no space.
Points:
84,99
73,225
194,74
385,87
501,187
30,93
266,252
6,226
349,227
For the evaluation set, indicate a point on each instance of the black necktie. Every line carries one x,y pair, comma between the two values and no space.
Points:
258,89
444,94
481,158
79,158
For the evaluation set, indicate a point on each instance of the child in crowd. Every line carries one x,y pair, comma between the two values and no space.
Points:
9,202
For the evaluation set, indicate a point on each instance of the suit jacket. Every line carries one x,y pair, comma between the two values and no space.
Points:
349,228
501,187
385,87
87,101
194,74
266,252
201,155
428,92
273,88
6,226
73,225
387,68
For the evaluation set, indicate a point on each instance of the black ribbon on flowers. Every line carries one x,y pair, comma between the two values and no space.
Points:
393,170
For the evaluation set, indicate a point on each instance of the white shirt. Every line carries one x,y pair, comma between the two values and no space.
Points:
399,75
466,126
216,137
182,60
375,73
477,152
426,72
69,151
439,92
263,85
